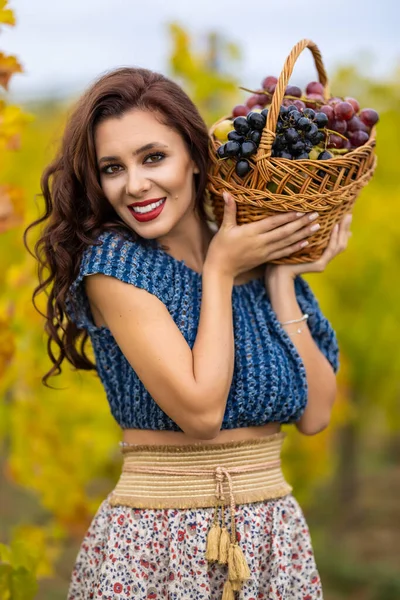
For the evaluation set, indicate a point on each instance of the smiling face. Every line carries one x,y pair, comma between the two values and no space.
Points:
146,172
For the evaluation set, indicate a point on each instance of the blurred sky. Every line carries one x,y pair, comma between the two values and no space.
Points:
65,44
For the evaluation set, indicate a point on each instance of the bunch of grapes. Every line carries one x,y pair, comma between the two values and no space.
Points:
297,132
308,125
243,140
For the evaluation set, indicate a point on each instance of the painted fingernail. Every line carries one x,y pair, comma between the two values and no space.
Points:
315,227
313,216
303,244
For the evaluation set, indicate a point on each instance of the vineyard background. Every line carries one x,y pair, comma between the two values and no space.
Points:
59,448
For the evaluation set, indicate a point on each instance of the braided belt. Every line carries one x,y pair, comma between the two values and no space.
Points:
197,480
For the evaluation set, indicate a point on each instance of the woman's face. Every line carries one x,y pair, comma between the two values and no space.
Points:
142,160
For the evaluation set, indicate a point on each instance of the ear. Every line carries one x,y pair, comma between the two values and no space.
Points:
196,169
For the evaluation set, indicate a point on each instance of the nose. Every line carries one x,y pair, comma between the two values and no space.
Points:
137,183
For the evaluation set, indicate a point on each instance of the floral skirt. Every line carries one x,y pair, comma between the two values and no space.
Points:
159,554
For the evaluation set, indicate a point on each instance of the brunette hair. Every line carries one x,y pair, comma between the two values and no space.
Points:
76,210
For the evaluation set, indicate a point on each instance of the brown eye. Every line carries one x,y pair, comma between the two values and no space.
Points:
107,171
158,156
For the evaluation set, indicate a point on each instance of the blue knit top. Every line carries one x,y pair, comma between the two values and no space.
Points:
269,380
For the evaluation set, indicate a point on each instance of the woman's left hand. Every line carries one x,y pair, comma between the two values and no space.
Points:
337,244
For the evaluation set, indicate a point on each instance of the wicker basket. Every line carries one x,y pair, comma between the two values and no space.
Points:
298,186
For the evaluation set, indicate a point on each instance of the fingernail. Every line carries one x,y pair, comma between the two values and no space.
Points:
299,214
315,227
313,216
225,197
303,244
336,228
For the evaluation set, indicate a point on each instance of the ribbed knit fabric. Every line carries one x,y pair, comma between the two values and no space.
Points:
269,381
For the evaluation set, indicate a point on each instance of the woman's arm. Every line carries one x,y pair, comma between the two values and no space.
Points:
321,378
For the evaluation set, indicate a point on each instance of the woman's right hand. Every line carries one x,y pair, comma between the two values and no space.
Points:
236,249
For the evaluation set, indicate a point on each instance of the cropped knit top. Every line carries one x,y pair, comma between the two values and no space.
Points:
269,380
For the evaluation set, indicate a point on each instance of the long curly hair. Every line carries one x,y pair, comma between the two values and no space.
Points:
76,210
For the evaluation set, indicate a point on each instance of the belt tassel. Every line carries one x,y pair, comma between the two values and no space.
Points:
223,547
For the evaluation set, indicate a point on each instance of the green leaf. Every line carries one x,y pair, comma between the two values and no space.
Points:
23,585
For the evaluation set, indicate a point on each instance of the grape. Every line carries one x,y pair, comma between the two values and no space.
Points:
369,116
343,111
355,124
280,127
346,144
242,167
283,111
264,112
240,110
309,113
221,151
313,100
256,120
241,125
233,136
299,104
293,90
321,119
294,116
334,100
314,87
248,148
304,124
328,111
302,156
232,148
318,138
291,108
298,147
358,138
285,154
354,104
291,135
308,145
268,82
324,155
280,142
257,99
312,131
334,141
255,136
339,126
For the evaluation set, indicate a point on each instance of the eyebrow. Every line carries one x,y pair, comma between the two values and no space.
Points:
144,148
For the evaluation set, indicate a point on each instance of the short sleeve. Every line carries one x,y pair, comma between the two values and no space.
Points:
320,328
123,259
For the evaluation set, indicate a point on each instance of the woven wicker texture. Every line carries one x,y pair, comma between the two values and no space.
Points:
327,186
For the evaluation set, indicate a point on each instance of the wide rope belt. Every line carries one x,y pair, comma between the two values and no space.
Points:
193,476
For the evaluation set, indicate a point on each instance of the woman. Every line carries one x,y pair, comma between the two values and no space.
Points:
204,349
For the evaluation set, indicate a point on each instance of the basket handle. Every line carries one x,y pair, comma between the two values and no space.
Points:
268,134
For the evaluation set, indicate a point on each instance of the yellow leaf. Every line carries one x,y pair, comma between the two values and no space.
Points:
6,14
8,66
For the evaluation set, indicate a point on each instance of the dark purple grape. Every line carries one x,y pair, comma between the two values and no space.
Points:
221,151
248,148
241,125
254,136
318,138
280,142
233,136
311,132
321,120
304,124
291,135
298,147
280,127
302,156
285,154
232,148
242,167
308,145
264,112
309,113
283,111
325,155
291,108
256,120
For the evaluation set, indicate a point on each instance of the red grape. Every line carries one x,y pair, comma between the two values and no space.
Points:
268,82
335,141
312,97
315,87
355,124
260,99
346,144
299,104
369,116
343,111
334,100
339,125
354,104
328,110
293,90
240,110
358,138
